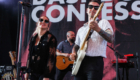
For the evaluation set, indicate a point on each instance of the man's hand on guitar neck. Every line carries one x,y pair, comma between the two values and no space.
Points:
94,25
107,34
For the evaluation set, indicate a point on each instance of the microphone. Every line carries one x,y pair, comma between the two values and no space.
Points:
25,4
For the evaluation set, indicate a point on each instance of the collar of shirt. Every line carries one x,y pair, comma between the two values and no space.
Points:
68,42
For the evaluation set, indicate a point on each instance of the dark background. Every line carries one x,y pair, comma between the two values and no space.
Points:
8,29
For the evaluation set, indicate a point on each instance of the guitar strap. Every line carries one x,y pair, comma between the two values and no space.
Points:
91,31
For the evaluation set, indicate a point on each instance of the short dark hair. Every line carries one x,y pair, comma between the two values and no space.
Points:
98,1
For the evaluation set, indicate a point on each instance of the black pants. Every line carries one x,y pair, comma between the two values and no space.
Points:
35,76
91,69
62,73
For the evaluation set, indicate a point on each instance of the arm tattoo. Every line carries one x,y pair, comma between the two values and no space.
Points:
75,48
107,35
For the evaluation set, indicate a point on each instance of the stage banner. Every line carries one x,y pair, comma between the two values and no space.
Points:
70,15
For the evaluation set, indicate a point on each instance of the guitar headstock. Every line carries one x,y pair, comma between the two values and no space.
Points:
99,10
12,55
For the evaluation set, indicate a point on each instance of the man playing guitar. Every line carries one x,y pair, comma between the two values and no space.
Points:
91,67
64,49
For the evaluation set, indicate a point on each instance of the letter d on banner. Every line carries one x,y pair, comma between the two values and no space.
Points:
36,2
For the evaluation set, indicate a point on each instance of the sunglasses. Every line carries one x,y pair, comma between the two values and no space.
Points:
46,21
91,6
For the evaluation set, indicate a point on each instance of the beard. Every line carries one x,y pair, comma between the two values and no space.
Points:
72,40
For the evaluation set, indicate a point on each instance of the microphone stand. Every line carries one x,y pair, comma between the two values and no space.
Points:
116,65
117,54
116,58
137,65
20,37
20,45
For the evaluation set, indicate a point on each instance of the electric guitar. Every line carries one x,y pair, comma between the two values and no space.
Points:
81,52
12,55
63,62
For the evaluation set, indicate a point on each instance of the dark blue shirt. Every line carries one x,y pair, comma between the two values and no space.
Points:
65,47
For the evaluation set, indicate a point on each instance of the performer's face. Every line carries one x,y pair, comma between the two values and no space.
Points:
92,8
71,37
43,22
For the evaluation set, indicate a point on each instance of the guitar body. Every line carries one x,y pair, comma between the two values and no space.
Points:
63,62
80,56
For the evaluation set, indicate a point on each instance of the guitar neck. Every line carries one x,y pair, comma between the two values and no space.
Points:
95,16
12,62
83,44
12,56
